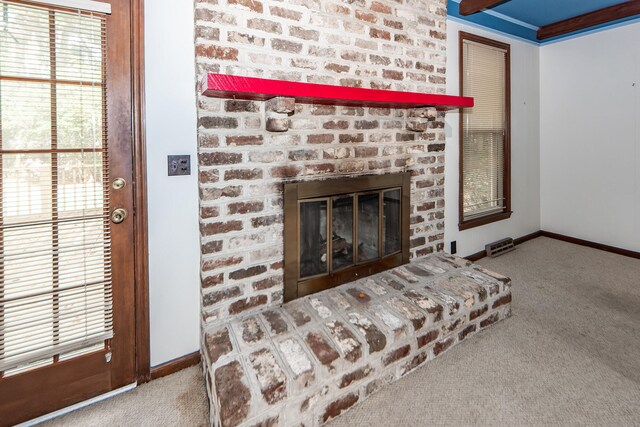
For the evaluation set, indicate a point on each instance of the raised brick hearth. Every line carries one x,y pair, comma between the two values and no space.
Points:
311,359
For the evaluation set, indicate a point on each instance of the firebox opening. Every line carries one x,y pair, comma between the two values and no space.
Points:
340,230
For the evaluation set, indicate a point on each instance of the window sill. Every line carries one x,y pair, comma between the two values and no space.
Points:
477,222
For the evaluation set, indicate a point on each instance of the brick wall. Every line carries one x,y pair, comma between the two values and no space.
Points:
383,44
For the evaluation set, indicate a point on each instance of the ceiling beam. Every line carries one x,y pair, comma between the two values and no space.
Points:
600,16
468,7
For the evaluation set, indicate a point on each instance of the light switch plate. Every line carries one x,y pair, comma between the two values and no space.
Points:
179,164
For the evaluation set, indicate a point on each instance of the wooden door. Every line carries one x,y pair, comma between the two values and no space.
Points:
67,311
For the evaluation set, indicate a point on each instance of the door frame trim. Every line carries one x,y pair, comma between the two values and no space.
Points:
141,245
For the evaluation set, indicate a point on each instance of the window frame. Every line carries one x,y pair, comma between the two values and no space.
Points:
506,211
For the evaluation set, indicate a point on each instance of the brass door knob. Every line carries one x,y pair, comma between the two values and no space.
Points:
119,215
118,183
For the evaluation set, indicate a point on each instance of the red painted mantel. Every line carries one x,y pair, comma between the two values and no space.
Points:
238,87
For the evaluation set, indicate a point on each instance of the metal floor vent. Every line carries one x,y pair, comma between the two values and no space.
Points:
500,247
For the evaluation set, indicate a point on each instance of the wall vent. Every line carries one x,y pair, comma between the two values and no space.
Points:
500,247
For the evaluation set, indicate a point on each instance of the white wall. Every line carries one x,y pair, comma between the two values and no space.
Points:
590,138
525,146
174,254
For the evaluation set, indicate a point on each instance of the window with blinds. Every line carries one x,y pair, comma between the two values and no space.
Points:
55,262
484,140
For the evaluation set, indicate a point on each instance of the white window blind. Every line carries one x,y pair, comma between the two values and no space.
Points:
483,129
55,261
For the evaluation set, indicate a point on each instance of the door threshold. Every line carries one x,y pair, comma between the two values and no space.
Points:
77,406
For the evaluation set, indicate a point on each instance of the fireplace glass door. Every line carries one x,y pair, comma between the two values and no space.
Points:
340,230
377,231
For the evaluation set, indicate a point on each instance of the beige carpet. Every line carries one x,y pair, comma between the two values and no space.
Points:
570,355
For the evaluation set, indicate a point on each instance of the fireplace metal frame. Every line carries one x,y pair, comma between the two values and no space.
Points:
295,193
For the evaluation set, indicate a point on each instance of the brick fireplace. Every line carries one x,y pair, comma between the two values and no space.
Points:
273,364
242,167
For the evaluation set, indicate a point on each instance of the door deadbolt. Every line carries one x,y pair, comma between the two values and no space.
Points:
118,183
119,215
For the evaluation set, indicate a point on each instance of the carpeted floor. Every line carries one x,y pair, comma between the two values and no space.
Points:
570,355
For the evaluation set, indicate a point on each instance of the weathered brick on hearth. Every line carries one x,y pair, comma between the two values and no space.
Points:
270,376
218,158
490,320
298,314
427,338
233,395
354,376
376,340
442,346
395,355
506,299
347,343
243,273
252,332
417,360
276,322
414,315
211,247
218,344
323,351
247,304
477,313
426,303
466,331
338,406
294,355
